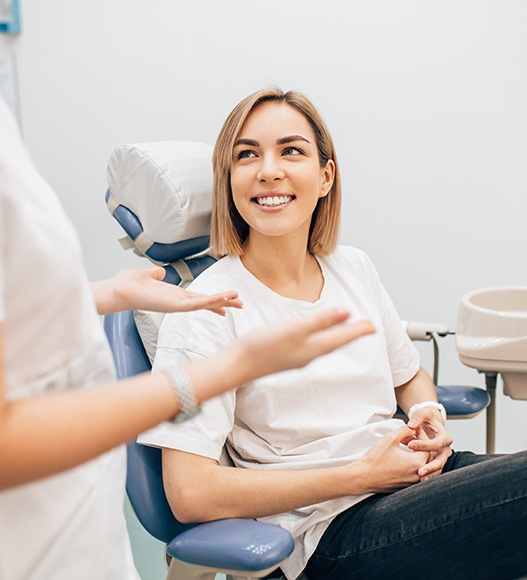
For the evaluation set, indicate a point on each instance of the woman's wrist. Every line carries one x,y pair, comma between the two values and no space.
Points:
431,404
352,478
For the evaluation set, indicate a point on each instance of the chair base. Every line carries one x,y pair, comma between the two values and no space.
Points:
179,570
302,576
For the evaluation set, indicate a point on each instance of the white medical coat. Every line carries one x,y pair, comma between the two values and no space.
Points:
69,526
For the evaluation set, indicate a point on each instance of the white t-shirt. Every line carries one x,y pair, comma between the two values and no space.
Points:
325,414
68,526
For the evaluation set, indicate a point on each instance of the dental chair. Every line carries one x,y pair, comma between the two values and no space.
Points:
167,183
160,194
235,547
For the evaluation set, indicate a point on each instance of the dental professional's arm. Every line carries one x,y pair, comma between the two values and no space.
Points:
431,434
143,289
44,435
199,490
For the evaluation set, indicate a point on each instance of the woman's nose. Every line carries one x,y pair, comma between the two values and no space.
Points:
270,169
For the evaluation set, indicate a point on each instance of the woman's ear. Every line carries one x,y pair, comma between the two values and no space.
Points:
328,176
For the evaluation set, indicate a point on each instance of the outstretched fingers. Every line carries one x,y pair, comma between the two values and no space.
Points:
332,331
215,303
322,333
295,343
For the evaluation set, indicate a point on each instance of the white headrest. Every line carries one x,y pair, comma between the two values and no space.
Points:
167,185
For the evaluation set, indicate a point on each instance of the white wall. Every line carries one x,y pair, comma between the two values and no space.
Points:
426,101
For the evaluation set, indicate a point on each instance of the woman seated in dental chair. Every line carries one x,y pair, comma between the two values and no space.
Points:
318,451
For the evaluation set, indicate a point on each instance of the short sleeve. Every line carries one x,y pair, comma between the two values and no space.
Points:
205,434
403,356
185,337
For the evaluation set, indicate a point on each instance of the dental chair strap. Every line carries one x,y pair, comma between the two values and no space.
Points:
184,272
140,245
111,203
142,242
127,243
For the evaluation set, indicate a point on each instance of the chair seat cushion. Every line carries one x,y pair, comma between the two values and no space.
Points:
461,400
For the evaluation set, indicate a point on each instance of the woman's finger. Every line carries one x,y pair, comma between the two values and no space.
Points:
330,333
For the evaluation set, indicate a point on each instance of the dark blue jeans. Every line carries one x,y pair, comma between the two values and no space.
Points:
468,523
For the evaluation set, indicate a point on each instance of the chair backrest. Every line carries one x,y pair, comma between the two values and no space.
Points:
144,483
160,194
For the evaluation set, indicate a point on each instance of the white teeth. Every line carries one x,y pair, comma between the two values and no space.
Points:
274,200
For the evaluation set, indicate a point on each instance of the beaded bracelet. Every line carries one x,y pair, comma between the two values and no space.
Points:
186,398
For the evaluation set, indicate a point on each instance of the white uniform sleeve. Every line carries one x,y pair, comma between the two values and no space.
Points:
6,132
2,250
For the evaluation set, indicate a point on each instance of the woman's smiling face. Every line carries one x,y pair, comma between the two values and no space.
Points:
276,178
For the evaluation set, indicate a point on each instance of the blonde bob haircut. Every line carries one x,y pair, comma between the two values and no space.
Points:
228,229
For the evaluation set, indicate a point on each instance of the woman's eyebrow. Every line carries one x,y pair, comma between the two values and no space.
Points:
250,142
290,139
281,141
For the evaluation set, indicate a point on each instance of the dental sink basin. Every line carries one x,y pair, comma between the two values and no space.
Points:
491,335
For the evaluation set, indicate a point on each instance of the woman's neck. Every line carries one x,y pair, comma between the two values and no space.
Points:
286,268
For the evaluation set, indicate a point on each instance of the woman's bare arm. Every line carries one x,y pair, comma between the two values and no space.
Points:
418,389
198,489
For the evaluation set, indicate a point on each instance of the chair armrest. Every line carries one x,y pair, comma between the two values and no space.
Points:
243,545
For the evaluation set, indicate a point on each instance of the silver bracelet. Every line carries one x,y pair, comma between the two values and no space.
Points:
424,404
185,396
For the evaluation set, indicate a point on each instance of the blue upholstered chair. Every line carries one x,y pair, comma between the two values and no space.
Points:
237,547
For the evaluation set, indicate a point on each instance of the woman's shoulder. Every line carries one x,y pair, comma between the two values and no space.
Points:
201,331
347,254
221,275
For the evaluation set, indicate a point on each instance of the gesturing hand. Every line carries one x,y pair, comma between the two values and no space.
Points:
143,289
293,344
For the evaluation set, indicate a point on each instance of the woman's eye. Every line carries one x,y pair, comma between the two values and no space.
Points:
245,154
292,151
